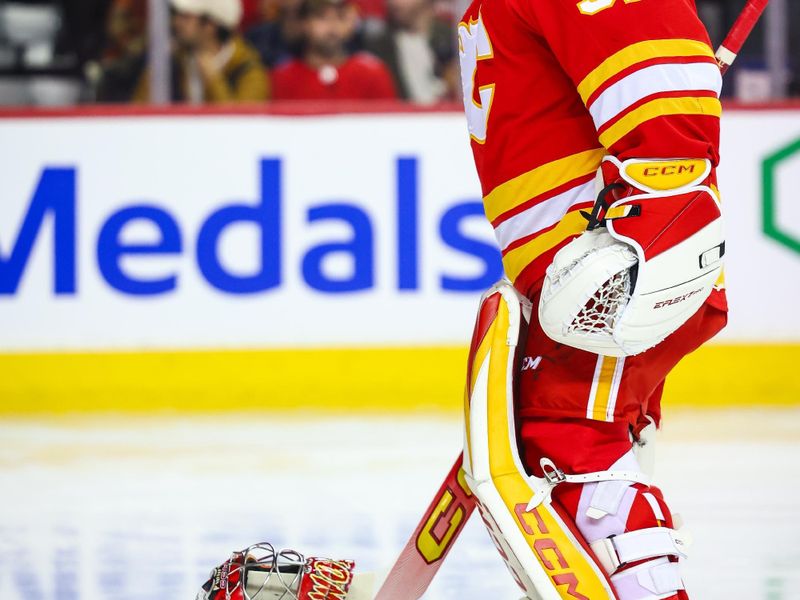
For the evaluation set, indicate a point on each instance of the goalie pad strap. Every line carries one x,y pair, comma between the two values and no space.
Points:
554,476
618,550
652,580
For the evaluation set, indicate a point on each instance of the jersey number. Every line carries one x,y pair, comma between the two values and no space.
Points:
590,7
474,45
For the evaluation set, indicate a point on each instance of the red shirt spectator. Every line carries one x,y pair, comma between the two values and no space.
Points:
361,76
250,16
326,70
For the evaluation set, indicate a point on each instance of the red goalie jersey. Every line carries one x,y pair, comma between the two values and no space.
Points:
550,87
556,85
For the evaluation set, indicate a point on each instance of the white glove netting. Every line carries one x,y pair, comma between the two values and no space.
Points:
604,308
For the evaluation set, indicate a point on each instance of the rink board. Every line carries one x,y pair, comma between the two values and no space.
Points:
342,380
200,259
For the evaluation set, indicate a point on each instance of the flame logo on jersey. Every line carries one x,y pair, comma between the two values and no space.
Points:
474,45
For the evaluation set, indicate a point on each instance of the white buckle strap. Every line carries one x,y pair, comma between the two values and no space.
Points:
553,476
650,581
618,550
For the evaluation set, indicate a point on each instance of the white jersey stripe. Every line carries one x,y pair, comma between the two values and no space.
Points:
653,80
543,215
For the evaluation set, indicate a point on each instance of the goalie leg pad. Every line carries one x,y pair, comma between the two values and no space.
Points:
543,552
594,536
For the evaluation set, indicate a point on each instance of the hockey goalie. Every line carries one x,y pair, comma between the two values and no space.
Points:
595,128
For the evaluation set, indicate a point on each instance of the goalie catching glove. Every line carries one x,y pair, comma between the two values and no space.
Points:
262,573
650,256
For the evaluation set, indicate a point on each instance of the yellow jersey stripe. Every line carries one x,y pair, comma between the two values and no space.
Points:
660,107
540,180
517,259
636,53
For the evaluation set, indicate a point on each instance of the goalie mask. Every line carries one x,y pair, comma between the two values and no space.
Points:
650,256
261,572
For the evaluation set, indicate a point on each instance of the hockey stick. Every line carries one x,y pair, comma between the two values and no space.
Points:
452,506
736,37
439,528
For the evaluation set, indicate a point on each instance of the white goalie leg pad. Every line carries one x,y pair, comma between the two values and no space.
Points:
513,564
540,549
545,553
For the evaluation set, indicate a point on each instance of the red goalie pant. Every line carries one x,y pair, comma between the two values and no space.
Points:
561,381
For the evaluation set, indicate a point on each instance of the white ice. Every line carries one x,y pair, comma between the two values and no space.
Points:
140,508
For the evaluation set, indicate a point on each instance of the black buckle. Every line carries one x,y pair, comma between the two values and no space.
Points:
600,205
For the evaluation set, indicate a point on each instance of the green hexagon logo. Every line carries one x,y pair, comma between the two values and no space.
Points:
772,201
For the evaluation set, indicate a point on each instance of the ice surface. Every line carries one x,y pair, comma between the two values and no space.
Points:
139,508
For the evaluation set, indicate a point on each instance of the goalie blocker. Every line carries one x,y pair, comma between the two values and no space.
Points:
650,257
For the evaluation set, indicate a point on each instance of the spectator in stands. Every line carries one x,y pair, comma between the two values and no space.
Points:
327,71
419,49
126,28
213,64
278,34
121,64
251,14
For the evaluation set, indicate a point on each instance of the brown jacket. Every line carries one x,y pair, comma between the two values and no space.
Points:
243,79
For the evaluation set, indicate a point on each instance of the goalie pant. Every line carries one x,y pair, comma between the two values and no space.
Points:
564,499
559,383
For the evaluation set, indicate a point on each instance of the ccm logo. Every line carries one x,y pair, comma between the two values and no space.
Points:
676,300
529,363
547,551
668,170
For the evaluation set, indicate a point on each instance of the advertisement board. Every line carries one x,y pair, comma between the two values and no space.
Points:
241,231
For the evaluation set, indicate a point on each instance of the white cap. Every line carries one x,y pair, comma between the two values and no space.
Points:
227,13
